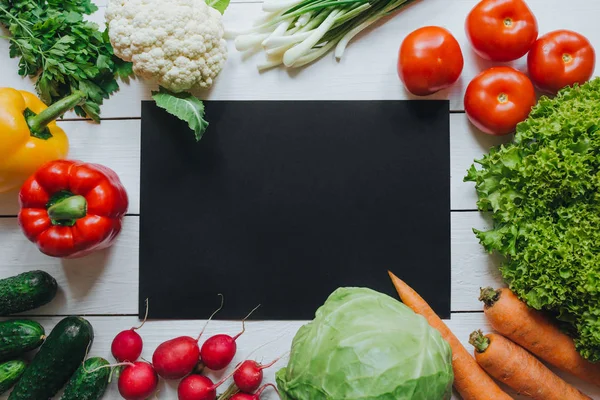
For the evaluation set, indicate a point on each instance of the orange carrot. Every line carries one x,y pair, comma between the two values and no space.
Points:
532,330
514,366
469,379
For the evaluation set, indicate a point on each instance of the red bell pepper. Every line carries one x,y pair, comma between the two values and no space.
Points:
70,209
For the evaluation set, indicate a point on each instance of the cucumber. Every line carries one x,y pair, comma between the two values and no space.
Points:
85,385
26,291
19,336
10,372
56,361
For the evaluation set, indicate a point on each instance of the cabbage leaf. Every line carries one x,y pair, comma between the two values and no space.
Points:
364,345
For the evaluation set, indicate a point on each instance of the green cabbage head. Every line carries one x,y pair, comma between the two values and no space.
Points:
364,345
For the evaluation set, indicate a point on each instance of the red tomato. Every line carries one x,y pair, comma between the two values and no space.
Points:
498,99
561,58
430,60
501,30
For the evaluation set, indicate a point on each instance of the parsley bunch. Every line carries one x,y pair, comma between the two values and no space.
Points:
63,51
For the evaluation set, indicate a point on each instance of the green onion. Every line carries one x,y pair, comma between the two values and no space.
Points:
297,32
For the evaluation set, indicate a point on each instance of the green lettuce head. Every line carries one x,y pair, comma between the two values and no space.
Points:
364,345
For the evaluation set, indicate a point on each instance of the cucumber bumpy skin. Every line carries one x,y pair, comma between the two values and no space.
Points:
26,291
56,361
19,336
89,382
10,373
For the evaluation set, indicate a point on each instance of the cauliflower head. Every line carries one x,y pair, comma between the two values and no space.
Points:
178,43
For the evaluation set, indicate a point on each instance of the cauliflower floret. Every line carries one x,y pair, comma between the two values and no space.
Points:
179,43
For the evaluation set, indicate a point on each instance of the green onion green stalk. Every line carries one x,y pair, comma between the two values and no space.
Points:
297,32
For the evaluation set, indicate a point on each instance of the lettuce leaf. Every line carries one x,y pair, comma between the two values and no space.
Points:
543,190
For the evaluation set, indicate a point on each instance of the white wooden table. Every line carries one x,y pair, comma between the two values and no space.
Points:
103,287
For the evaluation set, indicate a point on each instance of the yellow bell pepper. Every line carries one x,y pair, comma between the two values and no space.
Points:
29,136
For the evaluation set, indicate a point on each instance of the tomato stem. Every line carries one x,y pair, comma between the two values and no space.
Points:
567,58
508,22
502,98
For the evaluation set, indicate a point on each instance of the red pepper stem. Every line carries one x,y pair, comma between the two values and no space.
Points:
37,123
70,208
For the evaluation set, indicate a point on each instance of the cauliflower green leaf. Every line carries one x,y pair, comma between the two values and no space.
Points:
543,190
219,5
184,106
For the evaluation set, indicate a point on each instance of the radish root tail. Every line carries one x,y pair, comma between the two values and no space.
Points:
244,322
87,350
211,316
135,328
274,361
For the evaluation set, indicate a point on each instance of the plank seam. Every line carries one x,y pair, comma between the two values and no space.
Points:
135,315
139,118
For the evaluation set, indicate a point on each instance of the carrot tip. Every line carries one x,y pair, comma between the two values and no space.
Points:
479,341
489,296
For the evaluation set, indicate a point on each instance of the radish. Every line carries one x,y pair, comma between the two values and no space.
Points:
196,387
249,375
255,396
137,381
128,344
178,357
218,351
199,387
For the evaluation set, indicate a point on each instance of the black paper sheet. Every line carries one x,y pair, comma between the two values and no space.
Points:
282,202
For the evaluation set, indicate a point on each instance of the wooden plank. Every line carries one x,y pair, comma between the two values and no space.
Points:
107,282
274,337
368,70
116,144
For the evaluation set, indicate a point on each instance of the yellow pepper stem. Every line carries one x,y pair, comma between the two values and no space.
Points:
37,123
